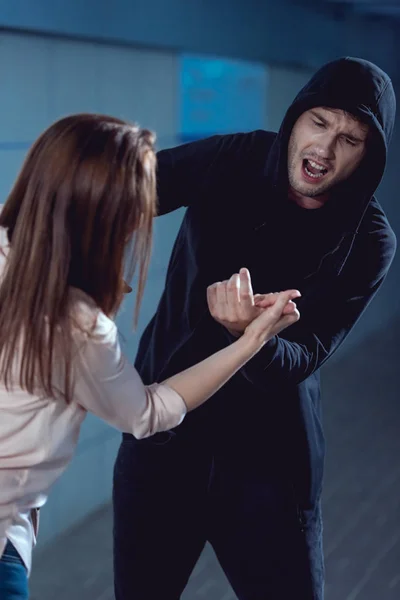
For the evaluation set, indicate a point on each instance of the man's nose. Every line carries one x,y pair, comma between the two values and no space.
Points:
325,148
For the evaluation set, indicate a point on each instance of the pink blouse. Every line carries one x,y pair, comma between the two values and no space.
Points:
38,435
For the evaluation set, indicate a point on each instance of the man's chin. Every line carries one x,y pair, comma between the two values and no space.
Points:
311,191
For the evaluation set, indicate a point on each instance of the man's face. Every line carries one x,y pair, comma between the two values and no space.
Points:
325,148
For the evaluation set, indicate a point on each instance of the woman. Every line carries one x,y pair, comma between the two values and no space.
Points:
79,220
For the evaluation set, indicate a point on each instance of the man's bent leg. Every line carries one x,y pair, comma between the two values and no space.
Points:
261,545
159,499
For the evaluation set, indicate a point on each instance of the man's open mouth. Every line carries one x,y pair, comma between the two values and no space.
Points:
314,170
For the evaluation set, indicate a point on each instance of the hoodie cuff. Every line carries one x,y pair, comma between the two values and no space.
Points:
261,370
262,359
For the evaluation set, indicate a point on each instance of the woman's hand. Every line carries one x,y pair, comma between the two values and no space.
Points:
233,304
275,317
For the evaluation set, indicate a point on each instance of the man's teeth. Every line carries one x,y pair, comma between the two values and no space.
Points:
316,166
316,176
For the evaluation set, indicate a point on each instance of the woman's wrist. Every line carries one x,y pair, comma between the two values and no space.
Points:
249,343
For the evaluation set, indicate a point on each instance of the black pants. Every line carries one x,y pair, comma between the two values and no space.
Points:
170,497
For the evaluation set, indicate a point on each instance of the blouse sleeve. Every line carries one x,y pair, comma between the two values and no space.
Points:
108,386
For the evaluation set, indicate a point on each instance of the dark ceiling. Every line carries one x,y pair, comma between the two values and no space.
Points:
377,8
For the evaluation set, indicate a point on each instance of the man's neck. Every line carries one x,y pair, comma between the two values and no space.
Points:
305,201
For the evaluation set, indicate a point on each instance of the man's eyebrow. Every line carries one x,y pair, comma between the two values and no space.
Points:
317,115
354,138
325,121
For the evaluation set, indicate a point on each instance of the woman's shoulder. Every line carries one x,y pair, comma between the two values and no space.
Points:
89,320
86,317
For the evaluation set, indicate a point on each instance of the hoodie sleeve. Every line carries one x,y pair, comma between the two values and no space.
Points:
184,173
303,348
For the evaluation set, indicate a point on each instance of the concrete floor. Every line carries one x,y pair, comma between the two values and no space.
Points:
361,502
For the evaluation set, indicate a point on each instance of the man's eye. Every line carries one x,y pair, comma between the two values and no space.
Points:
319,124
350,142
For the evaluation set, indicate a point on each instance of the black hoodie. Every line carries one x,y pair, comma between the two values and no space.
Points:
235,187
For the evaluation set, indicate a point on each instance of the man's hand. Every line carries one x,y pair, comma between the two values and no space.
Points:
233,304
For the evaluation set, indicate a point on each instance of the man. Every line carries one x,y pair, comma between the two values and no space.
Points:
245,471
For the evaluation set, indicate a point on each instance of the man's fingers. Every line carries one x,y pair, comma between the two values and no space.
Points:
264,300
212,297
246,289
217,300
233,292
222,299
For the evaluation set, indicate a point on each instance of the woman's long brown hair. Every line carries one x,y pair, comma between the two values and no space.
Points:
79,215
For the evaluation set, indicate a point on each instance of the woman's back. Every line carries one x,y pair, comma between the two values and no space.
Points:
77,220
38,433
38,436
